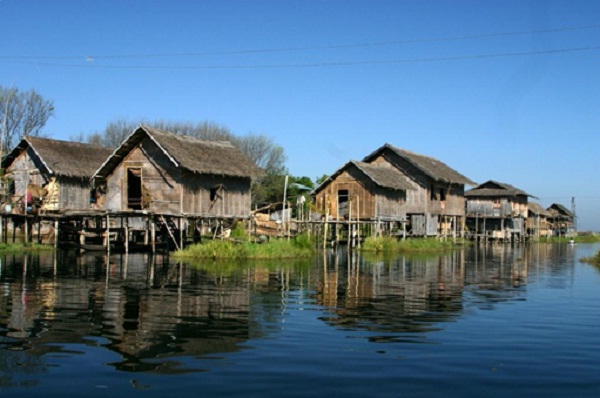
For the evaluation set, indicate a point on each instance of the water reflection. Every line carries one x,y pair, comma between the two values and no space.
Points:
153,314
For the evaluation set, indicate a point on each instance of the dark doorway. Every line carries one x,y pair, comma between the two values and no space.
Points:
134,189
343,197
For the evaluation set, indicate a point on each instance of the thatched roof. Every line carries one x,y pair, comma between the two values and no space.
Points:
383,175
495,189
431,167
537,209
192,154
556,209
61,158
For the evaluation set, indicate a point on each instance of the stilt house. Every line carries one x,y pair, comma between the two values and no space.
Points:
537,221
562,220
436,204
364,191
163,173
51,175
497,210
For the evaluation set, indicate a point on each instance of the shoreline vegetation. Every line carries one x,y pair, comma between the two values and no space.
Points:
20,247
303,246
594,260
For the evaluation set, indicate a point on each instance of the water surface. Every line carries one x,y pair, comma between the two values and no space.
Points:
488,321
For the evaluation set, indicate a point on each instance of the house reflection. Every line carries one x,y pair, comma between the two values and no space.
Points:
403,297
146,309
156,315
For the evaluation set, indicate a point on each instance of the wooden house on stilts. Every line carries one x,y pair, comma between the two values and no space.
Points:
176,177
562,220
497,211
538,224
436,204
51,175
364,191
391,184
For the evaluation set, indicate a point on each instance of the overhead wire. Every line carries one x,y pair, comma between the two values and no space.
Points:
314,65
52,61
303,48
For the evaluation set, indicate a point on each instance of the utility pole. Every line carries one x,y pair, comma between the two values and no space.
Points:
574,215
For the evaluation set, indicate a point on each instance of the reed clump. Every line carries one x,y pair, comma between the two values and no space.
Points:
390,244
300,246
594,260
19,247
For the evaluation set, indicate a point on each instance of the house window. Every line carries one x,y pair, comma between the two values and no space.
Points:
432,194
442,195
214,192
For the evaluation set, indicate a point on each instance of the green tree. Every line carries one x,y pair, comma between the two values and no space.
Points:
22,113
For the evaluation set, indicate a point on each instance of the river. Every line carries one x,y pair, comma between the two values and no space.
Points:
487,321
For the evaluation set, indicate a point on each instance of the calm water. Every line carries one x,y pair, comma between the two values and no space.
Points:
495,321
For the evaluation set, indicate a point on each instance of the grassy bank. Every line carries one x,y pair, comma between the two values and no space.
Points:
389,244
299,247
590,238
19,247
594,260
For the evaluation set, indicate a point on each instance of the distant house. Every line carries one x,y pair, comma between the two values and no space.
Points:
51,175
436,204
498,210
562,220
537,221
364,191
156,171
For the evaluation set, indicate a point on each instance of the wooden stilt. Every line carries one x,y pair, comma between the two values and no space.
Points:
153,236
126,233
56,234
26,238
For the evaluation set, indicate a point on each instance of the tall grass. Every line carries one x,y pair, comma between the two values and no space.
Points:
19,247
389,244
299,247
594,260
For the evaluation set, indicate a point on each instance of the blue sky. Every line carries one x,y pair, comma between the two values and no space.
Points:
504,90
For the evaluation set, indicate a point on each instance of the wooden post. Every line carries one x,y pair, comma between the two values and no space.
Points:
26,239
39,230
484,231
56,234
153,235
179,224
126,233
107,234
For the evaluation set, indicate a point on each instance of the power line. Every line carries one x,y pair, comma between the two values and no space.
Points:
314,65
305,48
